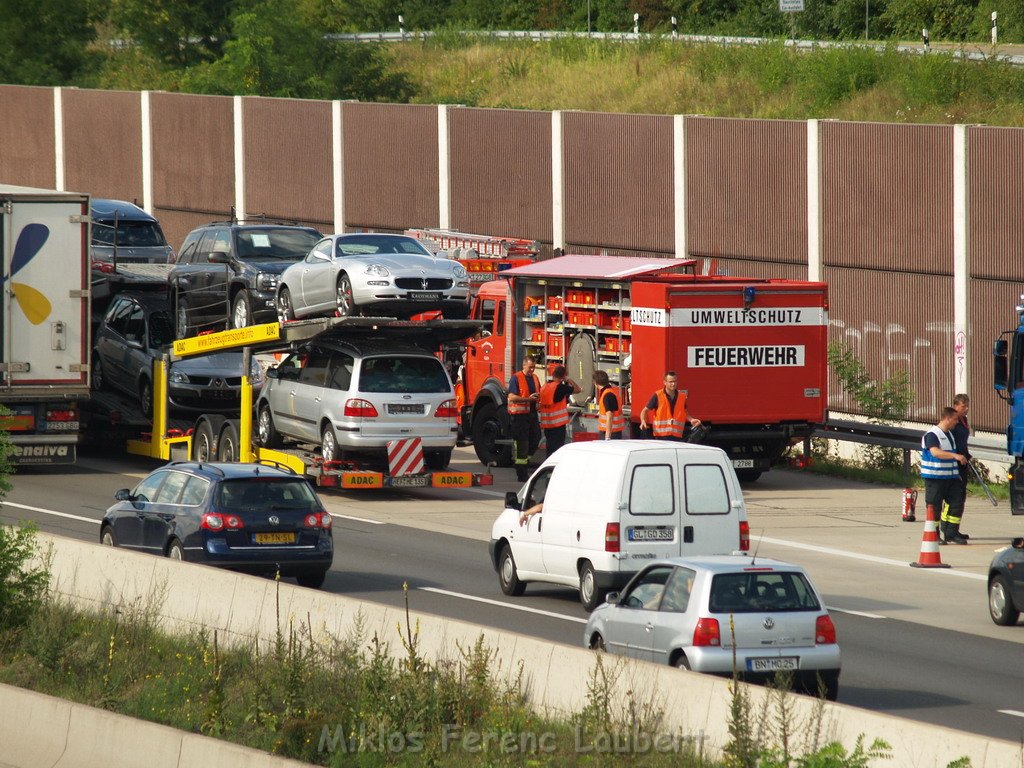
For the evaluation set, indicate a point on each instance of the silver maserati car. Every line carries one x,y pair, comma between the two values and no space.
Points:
370,273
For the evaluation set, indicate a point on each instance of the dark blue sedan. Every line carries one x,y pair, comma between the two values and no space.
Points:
247,517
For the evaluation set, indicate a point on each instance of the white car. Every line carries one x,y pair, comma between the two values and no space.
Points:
708,614
372,274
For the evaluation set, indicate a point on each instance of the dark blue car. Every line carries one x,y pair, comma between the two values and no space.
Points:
247,517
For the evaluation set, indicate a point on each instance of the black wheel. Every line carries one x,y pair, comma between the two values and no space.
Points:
590,595
329,444
828,685
346,301
175,551
99,381
181,324
487,431
681,662
311,579
597,642
107,537
146,397
508,577
266,433
285,308
241,310
228,445
203,444
748,475
437,460
1000,602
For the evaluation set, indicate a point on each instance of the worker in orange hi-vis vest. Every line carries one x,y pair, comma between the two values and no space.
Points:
610,421
668,408
553,407
523,394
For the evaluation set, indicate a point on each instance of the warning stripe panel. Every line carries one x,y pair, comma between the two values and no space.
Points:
405,457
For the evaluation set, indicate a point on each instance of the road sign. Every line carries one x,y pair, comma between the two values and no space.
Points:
791,6
236,337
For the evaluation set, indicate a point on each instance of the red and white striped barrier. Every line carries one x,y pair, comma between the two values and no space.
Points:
405,457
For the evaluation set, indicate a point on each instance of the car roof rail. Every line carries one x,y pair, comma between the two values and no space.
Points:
199,465
277,465
259,218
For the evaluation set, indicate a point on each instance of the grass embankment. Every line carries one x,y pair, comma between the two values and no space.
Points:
660,76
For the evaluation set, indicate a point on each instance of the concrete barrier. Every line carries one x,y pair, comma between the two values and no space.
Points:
242,608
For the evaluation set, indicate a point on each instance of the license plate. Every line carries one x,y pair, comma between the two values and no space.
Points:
410,481
743,463
650,534
773,664
406,408
480,277
62,426
425,295
275,538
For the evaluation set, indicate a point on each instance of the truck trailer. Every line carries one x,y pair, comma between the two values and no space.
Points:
751,354
45,328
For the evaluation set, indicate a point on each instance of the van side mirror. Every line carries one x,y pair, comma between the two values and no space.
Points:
1000,366
511,500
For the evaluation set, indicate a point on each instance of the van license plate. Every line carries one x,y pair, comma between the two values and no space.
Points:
743,463
650,534
783,664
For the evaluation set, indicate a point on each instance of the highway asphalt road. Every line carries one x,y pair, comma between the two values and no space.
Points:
968,680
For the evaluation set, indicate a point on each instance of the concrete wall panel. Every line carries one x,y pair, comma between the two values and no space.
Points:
103,143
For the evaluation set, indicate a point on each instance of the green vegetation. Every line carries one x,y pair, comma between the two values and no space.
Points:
282,48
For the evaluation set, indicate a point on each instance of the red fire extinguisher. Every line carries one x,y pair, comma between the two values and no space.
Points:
909,505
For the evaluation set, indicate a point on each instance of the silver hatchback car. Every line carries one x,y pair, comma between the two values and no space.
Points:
353,397
694,612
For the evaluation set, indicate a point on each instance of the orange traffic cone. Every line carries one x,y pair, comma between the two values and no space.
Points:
929,557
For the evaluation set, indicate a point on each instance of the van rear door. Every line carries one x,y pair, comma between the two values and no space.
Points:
650,508
710,521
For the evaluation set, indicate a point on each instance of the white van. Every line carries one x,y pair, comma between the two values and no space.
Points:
612,506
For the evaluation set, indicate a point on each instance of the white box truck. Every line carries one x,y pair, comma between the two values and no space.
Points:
44,322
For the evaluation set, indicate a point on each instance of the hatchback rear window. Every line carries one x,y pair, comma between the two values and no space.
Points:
130,234
247,495
760,591
392,375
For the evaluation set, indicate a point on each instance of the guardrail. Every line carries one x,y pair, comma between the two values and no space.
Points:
403,36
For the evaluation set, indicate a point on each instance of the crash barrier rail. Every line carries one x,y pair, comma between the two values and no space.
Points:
539,35
906,438
693,705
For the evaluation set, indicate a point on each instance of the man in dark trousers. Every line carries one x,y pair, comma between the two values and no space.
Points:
610,421
666,412
523,394
961,432
940,464
553,407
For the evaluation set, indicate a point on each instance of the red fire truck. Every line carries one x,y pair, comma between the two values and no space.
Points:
750,353
483,256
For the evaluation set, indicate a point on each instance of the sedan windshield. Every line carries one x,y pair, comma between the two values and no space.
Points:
362,245
403,374
279,243
759,591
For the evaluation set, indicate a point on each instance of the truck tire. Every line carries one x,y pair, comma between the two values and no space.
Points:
437,460
581,362
241,310
228,445
486,431
204,446
748,475
266,433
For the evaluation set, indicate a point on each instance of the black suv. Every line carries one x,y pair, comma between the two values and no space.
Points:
227,272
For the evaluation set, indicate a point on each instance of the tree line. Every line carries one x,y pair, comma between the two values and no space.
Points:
282,47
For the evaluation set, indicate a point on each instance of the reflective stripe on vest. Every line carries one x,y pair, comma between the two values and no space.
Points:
668,421
618,422
523,406
934,468
552,414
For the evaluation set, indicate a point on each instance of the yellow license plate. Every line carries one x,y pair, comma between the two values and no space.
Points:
452,479
275,538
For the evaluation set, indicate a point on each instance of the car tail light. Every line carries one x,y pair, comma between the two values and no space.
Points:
447,410
611,537
103,266
319,520
214,521
360,408
64,414
706,633
744,536
824,631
